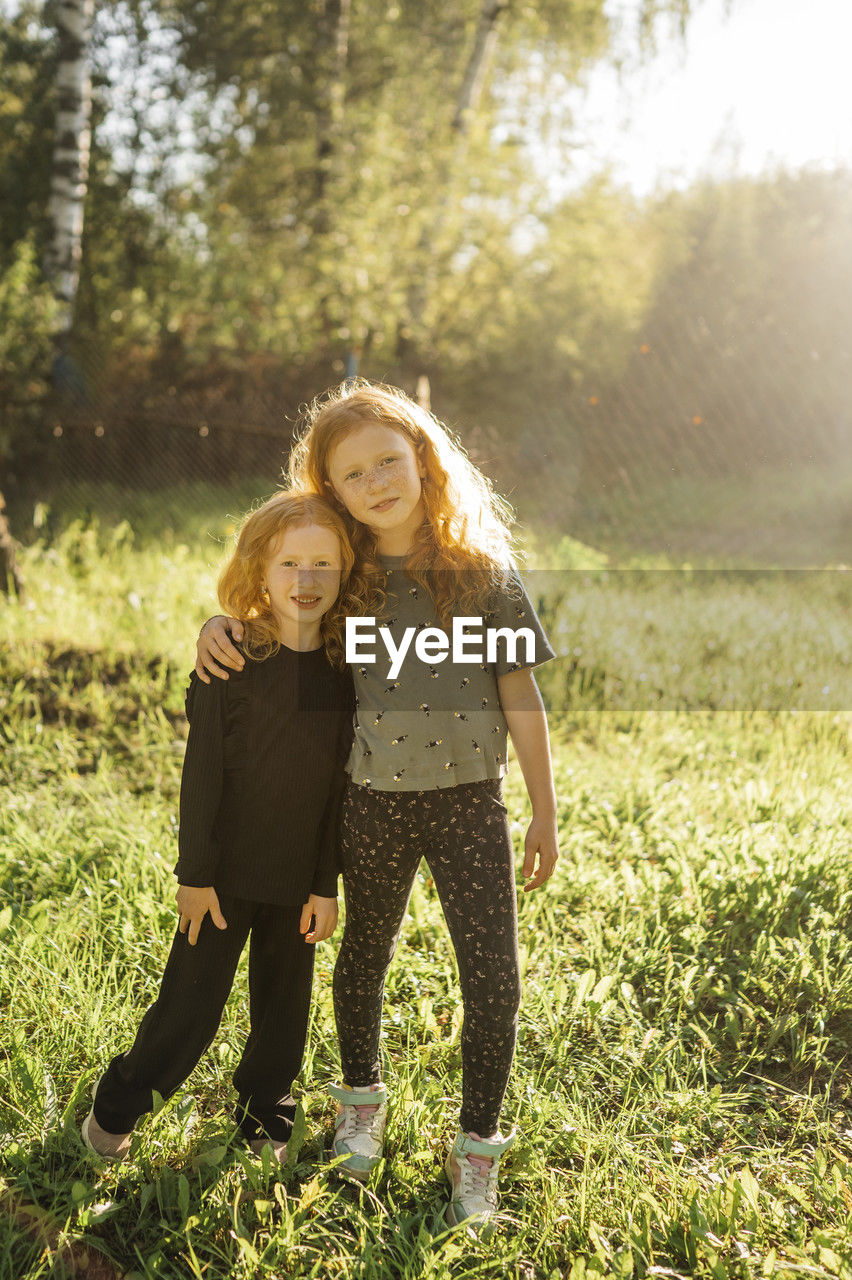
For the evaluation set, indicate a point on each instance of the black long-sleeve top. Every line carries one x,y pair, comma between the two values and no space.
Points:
263,779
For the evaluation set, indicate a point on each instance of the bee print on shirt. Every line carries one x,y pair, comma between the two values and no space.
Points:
459,715
465,682
484,703
498,757
496,729
433,674
397,776
424,706
476,746
412,591
436,742
391,687
362,671
450,764
396,742
378,717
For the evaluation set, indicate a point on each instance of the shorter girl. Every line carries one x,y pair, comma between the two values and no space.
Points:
259,809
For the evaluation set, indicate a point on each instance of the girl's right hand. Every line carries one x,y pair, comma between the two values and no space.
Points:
193,905
214,646
322,913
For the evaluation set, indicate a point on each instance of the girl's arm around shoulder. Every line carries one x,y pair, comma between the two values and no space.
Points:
214,647
201,688
527,721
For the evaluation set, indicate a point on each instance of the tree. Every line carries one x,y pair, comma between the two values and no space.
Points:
27,321
70,168
26,314
743,356
20,296
356,181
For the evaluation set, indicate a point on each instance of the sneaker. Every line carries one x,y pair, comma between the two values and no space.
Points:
359,1128
109,1146
472,1168
279,1149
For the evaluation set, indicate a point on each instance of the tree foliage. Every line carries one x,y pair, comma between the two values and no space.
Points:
27,315
28,61
281,190
314,178
745,355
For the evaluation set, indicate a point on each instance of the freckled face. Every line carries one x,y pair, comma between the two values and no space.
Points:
377,475
303,576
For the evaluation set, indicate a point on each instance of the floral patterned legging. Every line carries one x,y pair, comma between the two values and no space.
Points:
463,834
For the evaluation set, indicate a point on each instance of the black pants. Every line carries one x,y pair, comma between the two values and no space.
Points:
181,1024
463,834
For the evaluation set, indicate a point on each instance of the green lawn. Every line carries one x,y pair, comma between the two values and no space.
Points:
682,1084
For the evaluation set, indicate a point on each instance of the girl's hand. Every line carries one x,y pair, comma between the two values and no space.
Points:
214,646
193,905
543,839
323,912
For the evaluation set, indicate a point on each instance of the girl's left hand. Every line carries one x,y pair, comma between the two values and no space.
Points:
542,839
323,912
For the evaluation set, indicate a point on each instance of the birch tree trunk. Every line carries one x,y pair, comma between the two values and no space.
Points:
481,55
70,169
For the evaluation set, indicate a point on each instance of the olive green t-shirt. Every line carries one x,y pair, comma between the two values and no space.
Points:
437,720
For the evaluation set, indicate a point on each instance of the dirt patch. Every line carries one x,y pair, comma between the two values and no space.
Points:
84,688
69,1257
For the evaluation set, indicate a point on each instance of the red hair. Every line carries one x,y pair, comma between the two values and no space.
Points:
240,586
466,531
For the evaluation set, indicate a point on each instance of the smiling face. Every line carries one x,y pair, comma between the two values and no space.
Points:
302,579
377,475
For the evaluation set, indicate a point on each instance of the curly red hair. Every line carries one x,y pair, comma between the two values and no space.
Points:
240,585
464,547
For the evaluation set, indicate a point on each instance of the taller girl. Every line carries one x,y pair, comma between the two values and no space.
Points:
426,767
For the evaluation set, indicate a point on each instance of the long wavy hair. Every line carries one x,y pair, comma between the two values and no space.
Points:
240,587
464,547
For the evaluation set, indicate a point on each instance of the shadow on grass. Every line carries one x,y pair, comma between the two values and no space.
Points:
191,1200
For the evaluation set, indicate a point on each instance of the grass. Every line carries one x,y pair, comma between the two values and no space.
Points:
793,517
682,1084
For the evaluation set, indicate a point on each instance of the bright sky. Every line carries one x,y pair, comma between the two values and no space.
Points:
768,85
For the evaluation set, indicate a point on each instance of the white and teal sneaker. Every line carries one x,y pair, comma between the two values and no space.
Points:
360,1127
472,1168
